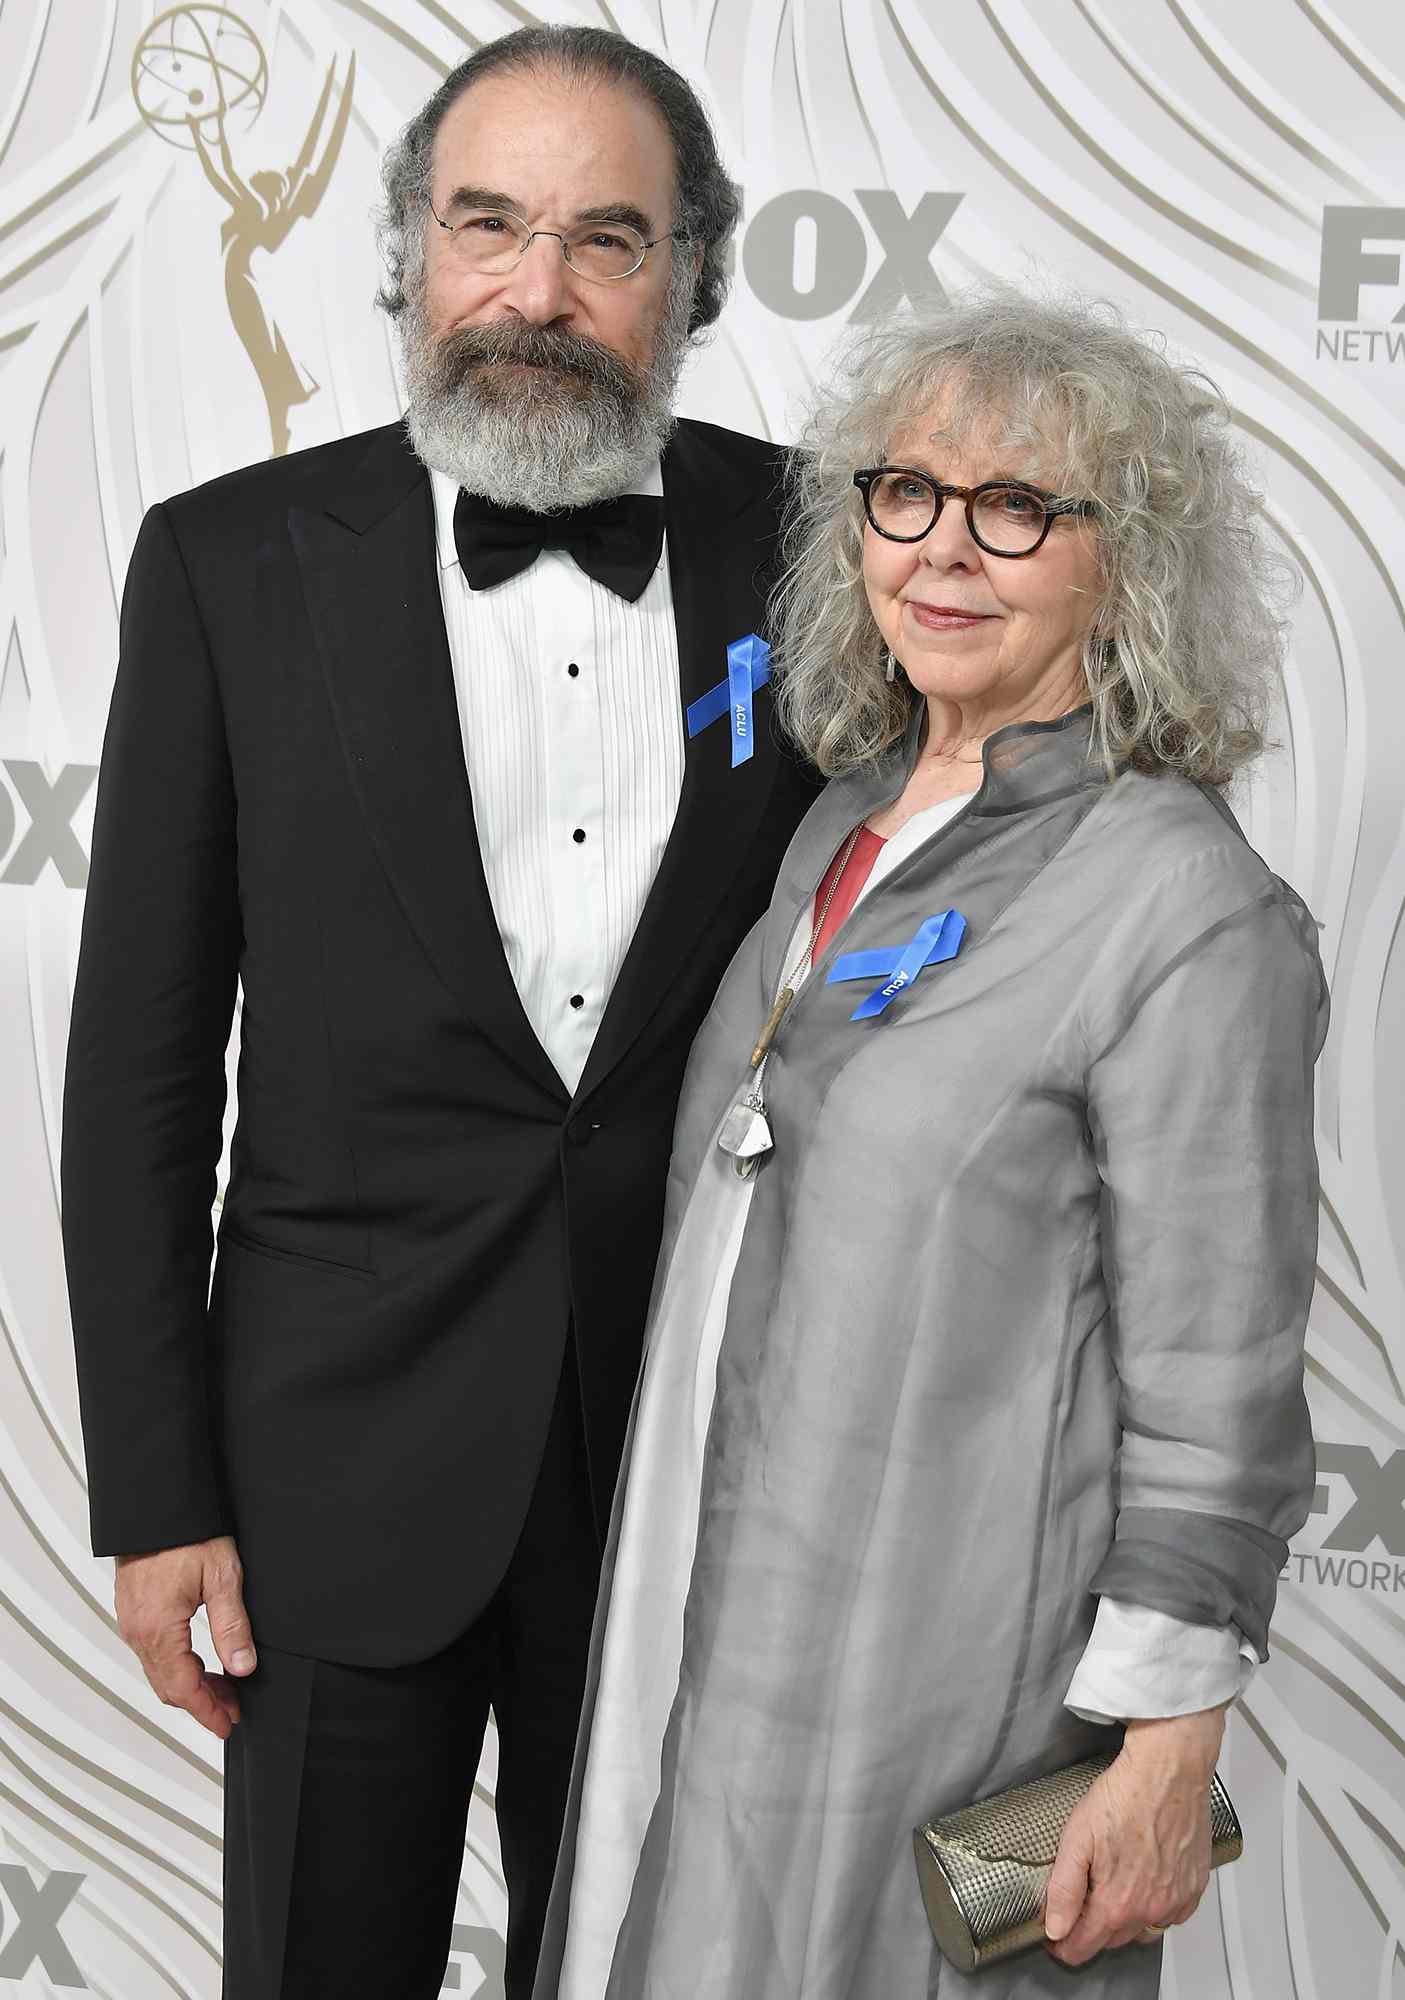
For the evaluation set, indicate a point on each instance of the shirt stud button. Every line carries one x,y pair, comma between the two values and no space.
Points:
579,835
578,999
573,670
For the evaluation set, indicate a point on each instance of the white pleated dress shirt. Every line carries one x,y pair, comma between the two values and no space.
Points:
572,716
572,719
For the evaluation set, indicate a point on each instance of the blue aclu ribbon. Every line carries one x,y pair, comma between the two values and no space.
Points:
937,939
748,668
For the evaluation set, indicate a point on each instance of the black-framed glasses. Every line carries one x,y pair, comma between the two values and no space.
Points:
1006,517
492,240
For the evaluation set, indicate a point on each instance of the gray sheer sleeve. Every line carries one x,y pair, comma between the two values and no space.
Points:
1200,1106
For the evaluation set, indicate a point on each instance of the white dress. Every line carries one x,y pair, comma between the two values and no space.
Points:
644,1636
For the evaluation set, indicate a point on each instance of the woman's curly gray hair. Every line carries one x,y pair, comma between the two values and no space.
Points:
709,203
1190,632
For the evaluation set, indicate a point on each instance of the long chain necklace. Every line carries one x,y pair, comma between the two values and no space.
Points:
746,1131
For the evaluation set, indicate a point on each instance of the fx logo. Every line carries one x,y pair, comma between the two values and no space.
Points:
34,1939
808,228
1378,1505
48,836
1347,264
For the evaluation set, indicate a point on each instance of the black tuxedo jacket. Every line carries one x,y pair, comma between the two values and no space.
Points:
417,1211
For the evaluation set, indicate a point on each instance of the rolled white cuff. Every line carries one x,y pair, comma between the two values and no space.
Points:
1141,1663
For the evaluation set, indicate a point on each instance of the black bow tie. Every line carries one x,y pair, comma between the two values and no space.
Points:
618,542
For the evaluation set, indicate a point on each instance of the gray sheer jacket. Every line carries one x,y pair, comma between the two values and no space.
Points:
1017,1320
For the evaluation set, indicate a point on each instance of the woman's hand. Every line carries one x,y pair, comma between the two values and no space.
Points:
1135,1855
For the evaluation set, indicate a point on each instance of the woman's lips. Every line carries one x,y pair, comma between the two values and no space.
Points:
945,617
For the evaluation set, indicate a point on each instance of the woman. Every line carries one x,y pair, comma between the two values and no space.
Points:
972,1416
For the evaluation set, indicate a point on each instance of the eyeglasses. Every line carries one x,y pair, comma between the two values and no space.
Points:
494,240
1006,517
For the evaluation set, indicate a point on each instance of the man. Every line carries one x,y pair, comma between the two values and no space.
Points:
405,754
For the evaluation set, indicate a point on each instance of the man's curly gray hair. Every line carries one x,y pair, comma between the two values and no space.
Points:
709,203
1190,631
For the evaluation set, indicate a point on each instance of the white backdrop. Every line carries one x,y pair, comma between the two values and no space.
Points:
1232,174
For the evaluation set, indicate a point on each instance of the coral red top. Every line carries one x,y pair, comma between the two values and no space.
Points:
856,871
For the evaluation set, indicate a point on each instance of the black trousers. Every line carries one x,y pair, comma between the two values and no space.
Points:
347,1788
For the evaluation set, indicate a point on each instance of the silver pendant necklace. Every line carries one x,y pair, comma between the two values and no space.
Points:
746,1130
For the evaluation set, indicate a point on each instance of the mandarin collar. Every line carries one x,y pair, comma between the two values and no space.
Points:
1025,764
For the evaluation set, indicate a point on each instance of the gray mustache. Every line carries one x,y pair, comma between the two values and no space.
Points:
468,348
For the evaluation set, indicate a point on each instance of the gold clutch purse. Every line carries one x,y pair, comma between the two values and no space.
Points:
983,1869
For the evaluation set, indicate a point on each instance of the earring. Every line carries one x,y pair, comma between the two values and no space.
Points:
890,673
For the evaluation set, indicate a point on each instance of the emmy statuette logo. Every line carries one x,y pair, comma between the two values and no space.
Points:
199,74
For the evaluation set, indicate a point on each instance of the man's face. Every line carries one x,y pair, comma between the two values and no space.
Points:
554,152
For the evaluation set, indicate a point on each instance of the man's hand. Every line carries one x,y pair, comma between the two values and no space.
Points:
1135,1855
157,1596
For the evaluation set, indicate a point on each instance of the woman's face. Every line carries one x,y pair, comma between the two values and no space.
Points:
999,638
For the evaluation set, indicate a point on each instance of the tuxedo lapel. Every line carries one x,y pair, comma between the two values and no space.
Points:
720,543
368,569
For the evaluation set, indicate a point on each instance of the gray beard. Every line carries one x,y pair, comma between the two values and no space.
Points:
540,417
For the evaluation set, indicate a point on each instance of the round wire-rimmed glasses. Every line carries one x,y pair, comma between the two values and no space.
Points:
1006,517
492,240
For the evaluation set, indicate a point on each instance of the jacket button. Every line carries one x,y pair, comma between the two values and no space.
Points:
579,1132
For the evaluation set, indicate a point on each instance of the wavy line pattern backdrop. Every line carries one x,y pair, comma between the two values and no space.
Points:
185,285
